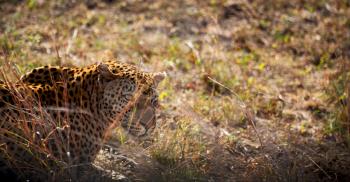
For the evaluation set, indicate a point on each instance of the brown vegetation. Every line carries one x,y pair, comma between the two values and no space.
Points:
257,90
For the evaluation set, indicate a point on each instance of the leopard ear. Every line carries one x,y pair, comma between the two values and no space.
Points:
105,71
158,77
108,56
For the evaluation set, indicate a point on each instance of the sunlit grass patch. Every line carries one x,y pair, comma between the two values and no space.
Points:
223,73
267,107
338,93
220,110
181,151
10,44
180,56
167,93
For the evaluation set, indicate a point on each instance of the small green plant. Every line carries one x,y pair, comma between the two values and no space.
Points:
246,58
282,37
31,4
7,45
338,94
121,135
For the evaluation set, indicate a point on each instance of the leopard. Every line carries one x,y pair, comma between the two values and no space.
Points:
64,114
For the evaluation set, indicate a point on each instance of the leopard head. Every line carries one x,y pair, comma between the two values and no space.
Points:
130,96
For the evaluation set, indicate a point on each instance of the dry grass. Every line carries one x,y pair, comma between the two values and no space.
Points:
286,61
338,93
34,130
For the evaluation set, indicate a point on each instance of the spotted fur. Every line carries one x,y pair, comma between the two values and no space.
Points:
69,110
